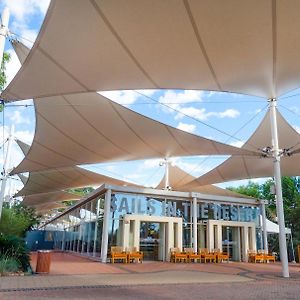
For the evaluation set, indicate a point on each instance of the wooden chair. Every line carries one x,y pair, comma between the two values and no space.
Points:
177,256
191,255
269,257
117,253
133,255
255,257
207,256
221,256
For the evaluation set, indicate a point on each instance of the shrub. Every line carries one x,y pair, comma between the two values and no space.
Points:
15,248
8,265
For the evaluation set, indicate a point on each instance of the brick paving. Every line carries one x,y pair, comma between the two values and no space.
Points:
74,277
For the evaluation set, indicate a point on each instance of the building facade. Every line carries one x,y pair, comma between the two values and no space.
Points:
154,221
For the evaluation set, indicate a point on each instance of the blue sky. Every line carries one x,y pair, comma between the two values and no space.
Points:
203,113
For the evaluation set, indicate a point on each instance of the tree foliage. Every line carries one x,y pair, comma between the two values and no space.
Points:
18,219
6,59
291,200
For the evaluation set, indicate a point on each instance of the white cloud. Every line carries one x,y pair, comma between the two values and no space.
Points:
174,100
202,115
16,118
186,127
126,97
228,113
21,14
25,136
24,9
12,66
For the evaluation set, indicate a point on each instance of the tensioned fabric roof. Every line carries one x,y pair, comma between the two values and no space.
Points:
89,128
64,178
179,181
236,168
46,198
246,46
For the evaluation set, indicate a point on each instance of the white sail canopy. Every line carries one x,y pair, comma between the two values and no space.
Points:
247,46
64,178
236,168
179,180
46,198
89,128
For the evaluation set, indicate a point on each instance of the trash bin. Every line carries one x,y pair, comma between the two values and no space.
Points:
43,261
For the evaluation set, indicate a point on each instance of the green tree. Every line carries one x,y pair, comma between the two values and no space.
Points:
6,59
17,220
251,189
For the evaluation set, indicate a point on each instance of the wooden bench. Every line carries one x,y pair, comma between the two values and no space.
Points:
133,255
191,255
255,257
117,254
221,256
207,256
178,256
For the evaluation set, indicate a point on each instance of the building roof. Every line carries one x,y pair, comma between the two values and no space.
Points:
247,46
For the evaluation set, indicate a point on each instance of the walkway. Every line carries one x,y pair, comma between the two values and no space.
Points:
71,273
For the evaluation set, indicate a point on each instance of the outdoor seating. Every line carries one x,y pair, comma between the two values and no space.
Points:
178,256
221,256
117,254
133,255
270,257
207,256
267,256
191,255
255,257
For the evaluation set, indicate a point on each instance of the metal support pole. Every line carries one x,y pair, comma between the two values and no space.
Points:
3,31
104,244
264,225
167,183
96,228
195,233
5,168
279,202
293,250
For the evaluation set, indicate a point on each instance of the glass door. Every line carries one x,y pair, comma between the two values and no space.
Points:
149,240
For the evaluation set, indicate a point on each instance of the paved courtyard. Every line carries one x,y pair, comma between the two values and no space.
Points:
74,277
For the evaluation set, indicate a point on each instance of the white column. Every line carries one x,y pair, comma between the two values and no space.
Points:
136,234
219,237
5,167
126,234
279,202
179,236
210,235
104,244
96,228
3,31
170,238
264,225
245,243
253,238
195,233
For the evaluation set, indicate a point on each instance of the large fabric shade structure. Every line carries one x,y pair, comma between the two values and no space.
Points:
179,180
63,179
46,208
46,198
246,46
236,168
107,132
